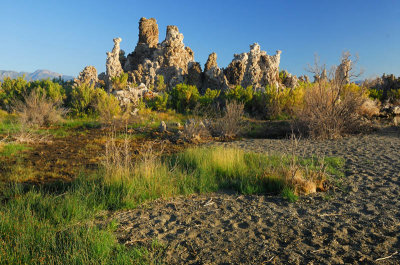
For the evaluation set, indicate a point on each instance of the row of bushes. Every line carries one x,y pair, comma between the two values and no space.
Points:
323,108
82,100
271,103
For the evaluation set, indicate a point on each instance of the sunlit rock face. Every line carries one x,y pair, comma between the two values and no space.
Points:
255,68
87,76
148,32
342,74
113,63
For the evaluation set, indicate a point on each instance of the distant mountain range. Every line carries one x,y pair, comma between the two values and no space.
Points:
37,75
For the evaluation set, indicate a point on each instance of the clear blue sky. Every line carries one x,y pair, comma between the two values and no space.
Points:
65,36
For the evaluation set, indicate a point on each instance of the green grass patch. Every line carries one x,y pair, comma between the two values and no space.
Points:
82,123
55,223
9,123
11,149
38,226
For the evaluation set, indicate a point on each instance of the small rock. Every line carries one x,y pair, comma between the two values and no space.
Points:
396,110
163,127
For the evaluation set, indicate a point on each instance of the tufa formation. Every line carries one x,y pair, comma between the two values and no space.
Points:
175,62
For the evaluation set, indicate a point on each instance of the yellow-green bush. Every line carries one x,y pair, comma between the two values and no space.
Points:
82,98
209,97
184,98
277,103
120,82
14,90
11,90
240,94
160,84
106,105
283,101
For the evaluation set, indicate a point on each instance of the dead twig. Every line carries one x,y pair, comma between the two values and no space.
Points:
210,202
271,259
318,250
388,257
330,214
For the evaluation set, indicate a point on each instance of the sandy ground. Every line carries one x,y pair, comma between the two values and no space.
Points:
357,224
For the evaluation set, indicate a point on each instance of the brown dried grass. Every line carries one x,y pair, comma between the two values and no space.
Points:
37,110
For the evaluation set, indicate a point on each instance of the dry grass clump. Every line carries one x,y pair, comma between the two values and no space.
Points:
330,110
230,125
37,110
117,160
195,130
29,136
370,108
332,105
303,178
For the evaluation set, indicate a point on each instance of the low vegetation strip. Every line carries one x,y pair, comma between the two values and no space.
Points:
56,223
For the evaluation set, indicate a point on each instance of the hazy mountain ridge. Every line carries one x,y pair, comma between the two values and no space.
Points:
37,75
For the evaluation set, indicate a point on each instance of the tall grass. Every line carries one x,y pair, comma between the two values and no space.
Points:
199,170
39,226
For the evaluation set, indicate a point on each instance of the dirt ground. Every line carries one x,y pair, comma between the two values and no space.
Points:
63,158
358,223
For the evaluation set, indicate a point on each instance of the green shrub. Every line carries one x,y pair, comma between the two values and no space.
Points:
87,100
376,94
11,90
14,90
283,102
160,85
106,105
120,82
184,98
240,94
277,103
82,98
209,97
159,102
393,95
283,76
52,90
